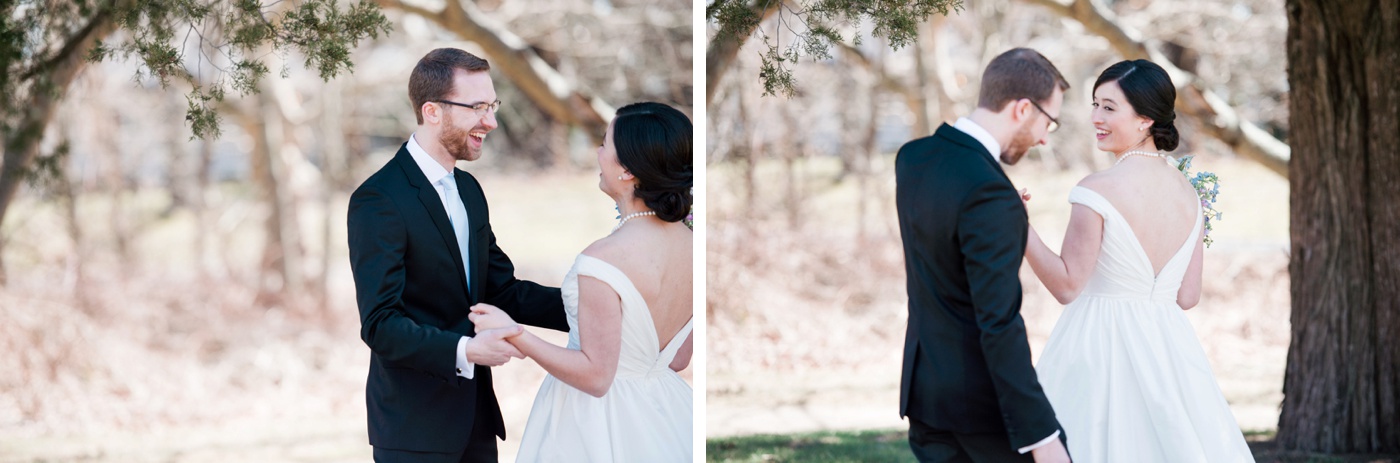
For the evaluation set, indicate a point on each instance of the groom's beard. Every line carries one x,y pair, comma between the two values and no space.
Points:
1020,143
457,141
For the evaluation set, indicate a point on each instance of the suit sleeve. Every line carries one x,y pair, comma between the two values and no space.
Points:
378,242
526,302
992,234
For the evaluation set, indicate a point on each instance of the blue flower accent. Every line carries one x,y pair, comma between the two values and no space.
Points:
1207,186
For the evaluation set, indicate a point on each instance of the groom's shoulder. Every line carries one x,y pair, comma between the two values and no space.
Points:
383,181
382,177
946,140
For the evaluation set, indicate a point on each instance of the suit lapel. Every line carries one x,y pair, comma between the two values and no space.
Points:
960,138
472,198
428,196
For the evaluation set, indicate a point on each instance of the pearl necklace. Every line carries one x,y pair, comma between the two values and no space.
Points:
631,216
1140,153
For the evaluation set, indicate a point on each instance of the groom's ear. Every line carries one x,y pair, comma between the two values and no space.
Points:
1020,109
432,113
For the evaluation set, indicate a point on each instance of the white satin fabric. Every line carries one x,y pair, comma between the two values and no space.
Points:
644,417
1123,368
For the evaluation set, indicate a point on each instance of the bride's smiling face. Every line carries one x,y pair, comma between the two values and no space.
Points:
1117,127
610,169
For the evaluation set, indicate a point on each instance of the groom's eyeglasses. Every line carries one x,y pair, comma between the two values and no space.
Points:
480,108
1054,123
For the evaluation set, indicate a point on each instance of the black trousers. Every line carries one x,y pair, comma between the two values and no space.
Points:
481,449
932,445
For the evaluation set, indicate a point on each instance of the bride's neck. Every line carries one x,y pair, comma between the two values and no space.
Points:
631,206
1147,144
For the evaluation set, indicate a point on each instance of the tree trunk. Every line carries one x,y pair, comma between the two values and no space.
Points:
279,270
204,227
333,166
1340,387
921,70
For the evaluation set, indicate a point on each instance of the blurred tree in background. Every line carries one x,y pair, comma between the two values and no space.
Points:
45,45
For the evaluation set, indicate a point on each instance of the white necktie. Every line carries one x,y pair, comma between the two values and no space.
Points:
457,213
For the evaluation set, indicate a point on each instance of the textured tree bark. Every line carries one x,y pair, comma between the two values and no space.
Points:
1340,386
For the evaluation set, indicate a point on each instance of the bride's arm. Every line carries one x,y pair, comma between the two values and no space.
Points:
1066,274
683,353
1190,293
592,367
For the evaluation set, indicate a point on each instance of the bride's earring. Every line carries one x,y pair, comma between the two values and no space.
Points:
619,177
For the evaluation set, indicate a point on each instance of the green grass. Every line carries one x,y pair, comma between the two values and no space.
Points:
820,447
892,445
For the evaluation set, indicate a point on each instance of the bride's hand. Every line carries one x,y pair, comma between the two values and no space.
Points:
489,317
1025,195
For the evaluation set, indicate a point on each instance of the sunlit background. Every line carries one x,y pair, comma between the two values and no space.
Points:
806,289
171,299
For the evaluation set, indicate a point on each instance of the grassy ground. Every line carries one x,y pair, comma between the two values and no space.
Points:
819,447
892,446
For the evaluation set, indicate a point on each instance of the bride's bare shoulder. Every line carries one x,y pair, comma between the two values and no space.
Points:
1101,182
608,248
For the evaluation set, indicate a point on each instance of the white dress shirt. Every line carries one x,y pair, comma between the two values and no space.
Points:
981,134
435,173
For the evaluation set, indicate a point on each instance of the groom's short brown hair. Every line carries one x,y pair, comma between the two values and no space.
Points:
1019,73
431,79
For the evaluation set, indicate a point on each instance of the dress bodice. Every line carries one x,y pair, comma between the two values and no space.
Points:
641,354
1123,269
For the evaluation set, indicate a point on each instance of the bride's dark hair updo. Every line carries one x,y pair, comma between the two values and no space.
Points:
653,143
1150,92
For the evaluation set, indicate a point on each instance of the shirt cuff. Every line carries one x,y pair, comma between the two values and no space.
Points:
1053,436
465,368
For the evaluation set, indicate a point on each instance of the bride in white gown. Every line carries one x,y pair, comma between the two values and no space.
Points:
1123,368
613,394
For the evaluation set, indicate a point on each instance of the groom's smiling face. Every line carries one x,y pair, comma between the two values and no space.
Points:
464,129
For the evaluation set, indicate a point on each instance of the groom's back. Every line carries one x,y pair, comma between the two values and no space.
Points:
936,178
946,381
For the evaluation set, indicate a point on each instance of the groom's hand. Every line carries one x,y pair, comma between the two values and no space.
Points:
490,347
489,317
1053,452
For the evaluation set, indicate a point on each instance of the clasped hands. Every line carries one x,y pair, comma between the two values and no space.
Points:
491,346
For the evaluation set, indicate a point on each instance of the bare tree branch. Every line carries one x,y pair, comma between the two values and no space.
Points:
1196,100
724,48
540,82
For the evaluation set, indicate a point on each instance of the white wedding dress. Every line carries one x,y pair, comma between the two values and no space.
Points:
644,417
1123,368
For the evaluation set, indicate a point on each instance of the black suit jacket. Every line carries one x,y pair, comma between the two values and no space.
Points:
414,303
967,364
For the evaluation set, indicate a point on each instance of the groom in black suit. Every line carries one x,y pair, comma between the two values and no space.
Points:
422,253
968,387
